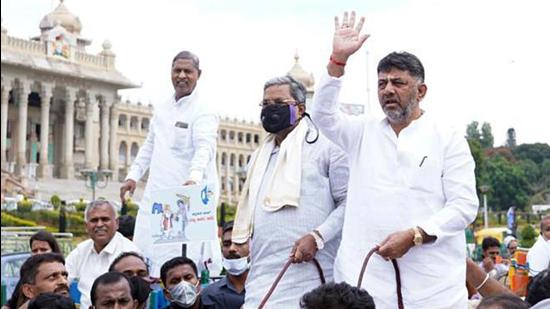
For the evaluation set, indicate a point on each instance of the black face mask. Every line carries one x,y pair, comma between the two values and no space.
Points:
277,117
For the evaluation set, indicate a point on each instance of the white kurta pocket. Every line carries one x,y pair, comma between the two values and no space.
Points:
180,142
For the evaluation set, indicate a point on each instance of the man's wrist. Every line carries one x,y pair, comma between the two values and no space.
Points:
319,241
339,58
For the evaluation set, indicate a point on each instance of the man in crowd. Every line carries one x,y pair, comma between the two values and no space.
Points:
112,290
511,244
43,273
133,265
411,190
51,301
293,199
181,283
229,291
538,290
492,261
180,149
335,296
538,256
92,257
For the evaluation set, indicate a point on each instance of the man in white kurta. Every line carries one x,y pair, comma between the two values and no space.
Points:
180,149
411,189
538,256
307,222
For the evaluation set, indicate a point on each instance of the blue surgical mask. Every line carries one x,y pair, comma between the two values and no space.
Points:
184,294
236,267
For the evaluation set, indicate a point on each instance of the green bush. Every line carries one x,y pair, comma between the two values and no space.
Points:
11,220
528,236
230,213
56,201
24,205
81,205
132,207
75,221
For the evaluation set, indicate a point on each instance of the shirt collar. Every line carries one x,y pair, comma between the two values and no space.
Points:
184,99
111,246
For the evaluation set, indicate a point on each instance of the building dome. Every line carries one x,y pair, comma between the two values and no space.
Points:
63,17
298,73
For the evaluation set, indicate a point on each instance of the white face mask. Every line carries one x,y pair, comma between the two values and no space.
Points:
236,267
184,294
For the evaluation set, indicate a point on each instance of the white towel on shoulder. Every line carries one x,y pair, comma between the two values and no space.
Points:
283,189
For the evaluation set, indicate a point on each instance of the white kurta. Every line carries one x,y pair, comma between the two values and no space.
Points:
321,207
85,264
538,256
181,145
424,177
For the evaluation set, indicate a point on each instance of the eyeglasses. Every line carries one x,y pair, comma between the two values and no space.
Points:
265,103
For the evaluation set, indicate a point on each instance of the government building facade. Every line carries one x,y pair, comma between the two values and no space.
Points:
62,115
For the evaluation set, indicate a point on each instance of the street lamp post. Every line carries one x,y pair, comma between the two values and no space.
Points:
96,179
484,189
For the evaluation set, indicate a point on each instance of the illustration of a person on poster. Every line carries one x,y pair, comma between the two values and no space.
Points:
182,214
166,222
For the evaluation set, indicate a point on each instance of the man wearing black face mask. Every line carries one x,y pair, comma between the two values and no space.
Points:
292,206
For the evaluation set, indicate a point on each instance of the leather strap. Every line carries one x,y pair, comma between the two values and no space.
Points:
397,276
282,272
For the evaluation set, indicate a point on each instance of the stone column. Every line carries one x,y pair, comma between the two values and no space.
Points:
89,132
4,121
44,168
21,156
113,142
105,106
67,170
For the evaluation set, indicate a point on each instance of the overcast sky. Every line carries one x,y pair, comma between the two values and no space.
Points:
485,60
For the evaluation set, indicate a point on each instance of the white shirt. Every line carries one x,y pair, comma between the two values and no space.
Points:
180,146
424,177
85,264
538,256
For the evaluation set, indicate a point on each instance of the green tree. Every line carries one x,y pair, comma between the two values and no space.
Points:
536,152
509,185
472,131
511,138
487,139
530,169
479,159
527,237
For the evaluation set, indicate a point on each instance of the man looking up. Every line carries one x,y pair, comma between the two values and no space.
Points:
92,257
411,190
180,149
43,273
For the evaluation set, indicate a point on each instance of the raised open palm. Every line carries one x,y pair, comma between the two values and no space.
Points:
347,36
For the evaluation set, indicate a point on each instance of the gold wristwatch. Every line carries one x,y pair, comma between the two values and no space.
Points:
417,239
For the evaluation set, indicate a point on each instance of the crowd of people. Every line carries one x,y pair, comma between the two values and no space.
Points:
322,189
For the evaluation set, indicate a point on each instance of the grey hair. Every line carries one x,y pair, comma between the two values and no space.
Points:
297,90
97,203
188,55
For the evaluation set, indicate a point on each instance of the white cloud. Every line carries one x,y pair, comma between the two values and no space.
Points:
484,60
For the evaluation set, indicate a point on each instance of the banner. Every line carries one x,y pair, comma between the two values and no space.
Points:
182,214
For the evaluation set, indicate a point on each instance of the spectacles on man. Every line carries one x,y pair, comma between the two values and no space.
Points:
265,103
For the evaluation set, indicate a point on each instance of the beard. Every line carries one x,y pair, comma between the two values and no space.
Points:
400,114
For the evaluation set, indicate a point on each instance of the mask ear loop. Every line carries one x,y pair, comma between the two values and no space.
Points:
309,130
